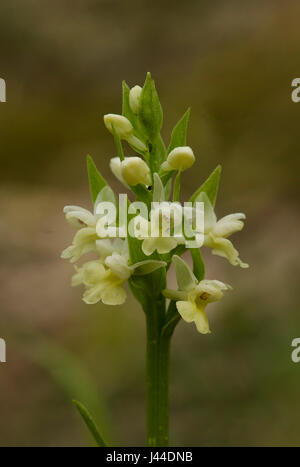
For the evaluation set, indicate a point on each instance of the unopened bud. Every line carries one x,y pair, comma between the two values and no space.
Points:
135,171
134,98
124,129
116,168
121,125
181,158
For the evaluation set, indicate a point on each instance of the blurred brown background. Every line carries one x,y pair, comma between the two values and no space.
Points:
233,63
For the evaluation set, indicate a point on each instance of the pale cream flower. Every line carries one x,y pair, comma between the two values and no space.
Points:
192,309
121,124
104,278
193,296
85,221
134,171
116,168
101,284
84,241
181,158
130,171
124,130
156,233
216,232
134,98
79,217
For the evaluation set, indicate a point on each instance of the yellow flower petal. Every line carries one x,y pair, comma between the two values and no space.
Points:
187,310
114,296
180,158
201,322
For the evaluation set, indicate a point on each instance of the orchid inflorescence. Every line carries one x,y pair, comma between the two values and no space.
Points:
149,176
142,258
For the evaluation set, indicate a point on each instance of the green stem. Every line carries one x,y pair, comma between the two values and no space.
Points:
176,189
158,350
163,403
118,143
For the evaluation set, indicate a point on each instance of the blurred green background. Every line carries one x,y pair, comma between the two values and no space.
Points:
233,63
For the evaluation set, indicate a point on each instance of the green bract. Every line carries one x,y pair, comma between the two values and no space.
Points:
150,110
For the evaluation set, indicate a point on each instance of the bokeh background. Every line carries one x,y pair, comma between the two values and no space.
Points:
233,63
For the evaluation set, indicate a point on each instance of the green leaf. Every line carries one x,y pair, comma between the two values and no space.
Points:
176,187
158,189
178,137
209,214
135,246
147,266
166,177
157,153
69,374
198,264
106,195
168,187
96,180
142,194
89,423
150,113
185,278
210,186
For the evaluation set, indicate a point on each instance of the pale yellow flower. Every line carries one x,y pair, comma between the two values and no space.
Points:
116,168
104,278
85,221
134,98
192,309
84,241
193,296
124,130
101,284
134,171
181,158
156,233
216,232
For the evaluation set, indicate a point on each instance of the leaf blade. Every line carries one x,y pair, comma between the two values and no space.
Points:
179,133
150,113
210,186
91,425
96,181
198,264
184,276
158,189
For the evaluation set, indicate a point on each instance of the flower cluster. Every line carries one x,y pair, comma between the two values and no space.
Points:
103,277
149,174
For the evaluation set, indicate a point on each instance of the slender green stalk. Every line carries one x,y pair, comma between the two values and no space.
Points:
157,407
118,143
176,189
163,383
